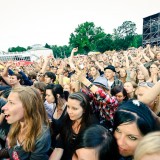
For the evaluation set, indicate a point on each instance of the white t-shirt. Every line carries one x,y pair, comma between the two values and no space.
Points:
110,83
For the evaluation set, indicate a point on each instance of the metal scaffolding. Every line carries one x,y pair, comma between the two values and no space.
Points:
151,30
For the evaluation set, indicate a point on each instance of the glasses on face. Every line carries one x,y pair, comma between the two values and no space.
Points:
40,75
146,84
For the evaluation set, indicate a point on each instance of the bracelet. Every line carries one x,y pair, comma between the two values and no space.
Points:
90,86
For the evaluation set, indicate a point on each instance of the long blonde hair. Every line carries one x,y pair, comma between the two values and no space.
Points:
34,118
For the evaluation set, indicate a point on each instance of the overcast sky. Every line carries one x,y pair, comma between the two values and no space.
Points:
29,22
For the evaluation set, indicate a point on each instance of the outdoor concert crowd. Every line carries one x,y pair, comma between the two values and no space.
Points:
102,106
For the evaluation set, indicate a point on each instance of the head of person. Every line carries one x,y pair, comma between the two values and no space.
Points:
102,83
120,93
78,109
101,63
67,87
73,80
53,93
154,68
158,56
132,121
96,143
48,68
54,70
49,77
40,77
25,109
130,87
122,73
109,72
143,60
40,86
32,76
94,71
65,72
15,79
92,63
149,147
140,76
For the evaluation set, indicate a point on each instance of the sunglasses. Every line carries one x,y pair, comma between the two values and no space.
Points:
146,84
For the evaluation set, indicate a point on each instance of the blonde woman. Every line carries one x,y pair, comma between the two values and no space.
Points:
94,73
149,147
29,135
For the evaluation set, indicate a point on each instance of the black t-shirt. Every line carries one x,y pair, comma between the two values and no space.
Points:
68,144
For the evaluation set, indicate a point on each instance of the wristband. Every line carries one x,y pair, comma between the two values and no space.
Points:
90,86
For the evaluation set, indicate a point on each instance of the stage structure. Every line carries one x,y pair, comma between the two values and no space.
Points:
151,30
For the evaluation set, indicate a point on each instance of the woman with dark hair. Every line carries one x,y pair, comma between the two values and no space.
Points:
78,118
96,143
120,93
56,99
56,95
132,121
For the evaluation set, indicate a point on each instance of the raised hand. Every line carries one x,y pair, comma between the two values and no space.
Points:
75,50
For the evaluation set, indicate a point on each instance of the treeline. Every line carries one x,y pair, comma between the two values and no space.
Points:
87,37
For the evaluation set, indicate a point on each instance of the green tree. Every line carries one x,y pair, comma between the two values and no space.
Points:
85,37
29,47
47,46
17,49
105,43
128,28
124,36
137,42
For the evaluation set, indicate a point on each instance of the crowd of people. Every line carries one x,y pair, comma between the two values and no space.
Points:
90,107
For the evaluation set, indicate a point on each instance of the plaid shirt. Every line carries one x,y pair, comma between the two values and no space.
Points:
102,104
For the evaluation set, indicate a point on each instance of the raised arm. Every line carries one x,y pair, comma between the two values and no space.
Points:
150,52
142,68
145,56
150,95
71,58
5,72
46,62
127,60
